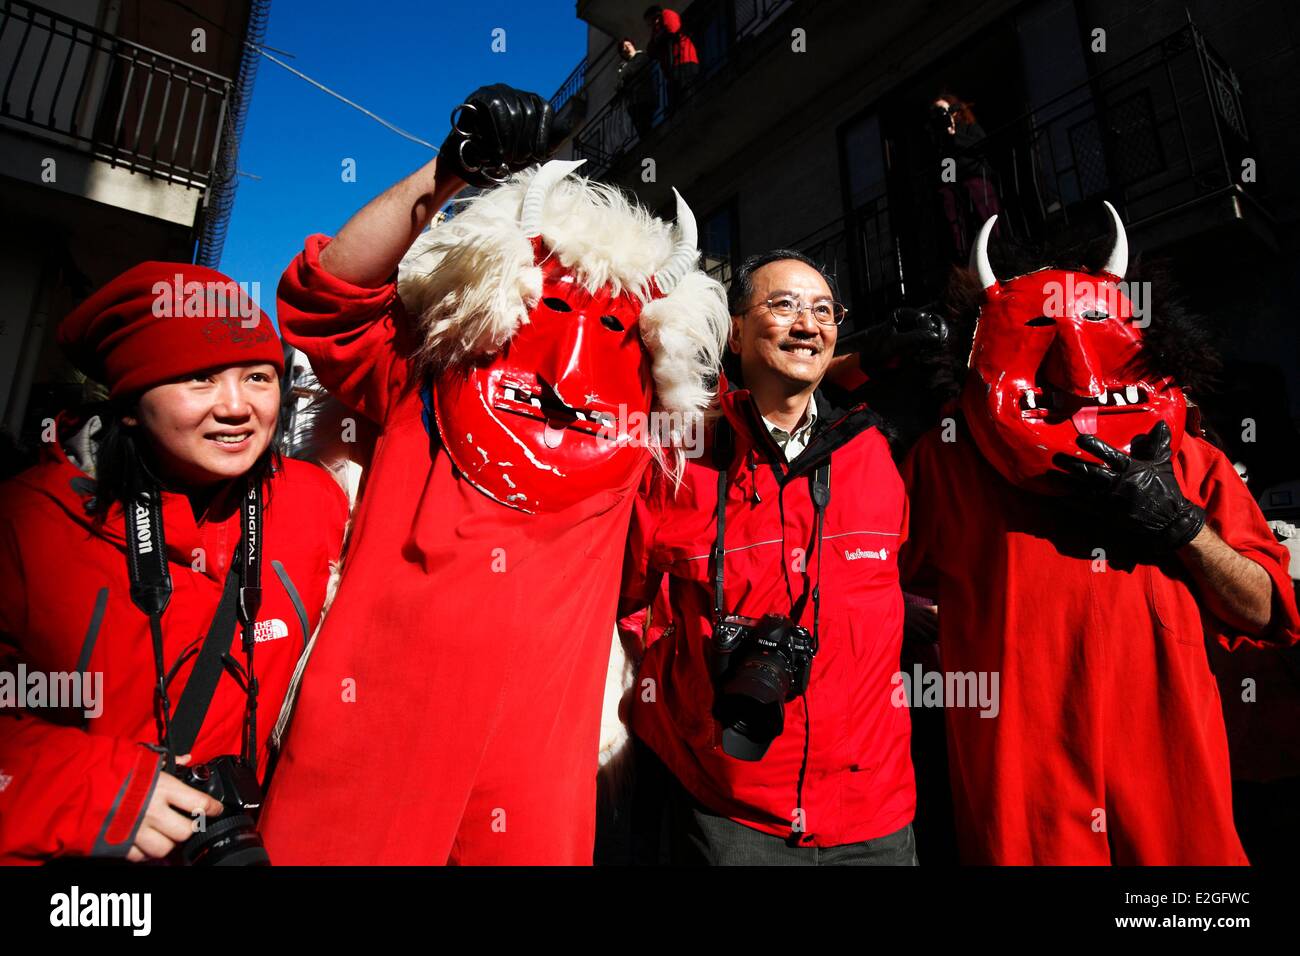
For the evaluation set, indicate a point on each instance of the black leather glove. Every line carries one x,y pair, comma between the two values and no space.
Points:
906,333
1140,489
497,131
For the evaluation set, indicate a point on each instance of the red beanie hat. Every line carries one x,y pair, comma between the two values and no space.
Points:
161,320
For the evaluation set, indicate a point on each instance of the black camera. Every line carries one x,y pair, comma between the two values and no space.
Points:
758,665
232,838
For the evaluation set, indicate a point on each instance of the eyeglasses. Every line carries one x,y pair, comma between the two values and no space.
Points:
786,308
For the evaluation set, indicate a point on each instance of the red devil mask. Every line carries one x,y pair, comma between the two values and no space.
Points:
1056,355
542,424
536,425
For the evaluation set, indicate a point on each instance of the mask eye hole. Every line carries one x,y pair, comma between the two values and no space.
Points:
557,305
1093,315
1041,320
611,323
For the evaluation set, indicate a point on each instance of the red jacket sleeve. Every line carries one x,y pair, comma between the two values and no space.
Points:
357,339
62,791
640,573
1236,518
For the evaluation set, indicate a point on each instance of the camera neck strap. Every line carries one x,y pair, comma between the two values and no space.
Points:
820,491
151,588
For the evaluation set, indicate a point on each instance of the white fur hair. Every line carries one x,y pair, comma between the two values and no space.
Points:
471,282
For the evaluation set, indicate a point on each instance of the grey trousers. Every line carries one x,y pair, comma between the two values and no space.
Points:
700,837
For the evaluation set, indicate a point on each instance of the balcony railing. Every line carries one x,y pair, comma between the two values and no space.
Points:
122,102
717,28
1156,134
571,86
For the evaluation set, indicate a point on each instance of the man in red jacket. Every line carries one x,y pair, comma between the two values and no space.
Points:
1082,542
790,752
451,708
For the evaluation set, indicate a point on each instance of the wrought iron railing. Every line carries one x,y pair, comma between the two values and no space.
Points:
122,102
1157,133
717,28
575,82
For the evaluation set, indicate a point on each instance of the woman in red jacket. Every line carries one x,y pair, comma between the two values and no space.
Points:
192,368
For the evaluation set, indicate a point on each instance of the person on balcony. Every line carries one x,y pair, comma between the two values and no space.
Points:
636,87
674,50
967,189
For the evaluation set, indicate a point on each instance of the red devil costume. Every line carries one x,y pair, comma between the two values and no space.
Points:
1109,745
451,709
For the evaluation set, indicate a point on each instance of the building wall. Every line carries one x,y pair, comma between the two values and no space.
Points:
893,44
75,220
784,172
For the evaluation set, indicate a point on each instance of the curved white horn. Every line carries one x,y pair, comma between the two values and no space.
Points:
686,250
979,255
530,213
1117,262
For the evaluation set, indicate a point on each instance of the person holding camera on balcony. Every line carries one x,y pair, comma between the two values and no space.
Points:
160,540
768,696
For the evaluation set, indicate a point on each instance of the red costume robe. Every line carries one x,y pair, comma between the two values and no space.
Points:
1109,744
451,708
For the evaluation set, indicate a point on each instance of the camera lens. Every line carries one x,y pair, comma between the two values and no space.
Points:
230,840
751,706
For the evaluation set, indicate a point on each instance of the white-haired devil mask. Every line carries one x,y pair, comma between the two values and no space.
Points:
555,314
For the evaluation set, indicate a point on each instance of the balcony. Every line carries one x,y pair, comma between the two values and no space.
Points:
720,30
120,102
1162,135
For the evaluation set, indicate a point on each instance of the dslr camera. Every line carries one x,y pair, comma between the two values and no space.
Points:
758,665
232,838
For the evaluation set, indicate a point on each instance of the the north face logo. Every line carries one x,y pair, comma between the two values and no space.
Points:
269,630
880,555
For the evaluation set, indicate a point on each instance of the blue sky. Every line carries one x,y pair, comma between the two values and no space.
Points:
408,61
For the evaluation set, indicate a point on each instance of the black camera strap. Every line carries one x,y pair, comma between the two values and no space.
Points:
151,588
820,492
250,601
820,486
723,452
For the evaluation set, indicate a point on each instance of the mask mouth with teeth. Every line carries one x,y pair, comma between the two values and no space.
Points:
556,316
1057,354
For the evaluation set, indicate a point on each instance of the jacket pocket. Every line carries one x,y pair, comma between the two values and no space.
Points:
1163,603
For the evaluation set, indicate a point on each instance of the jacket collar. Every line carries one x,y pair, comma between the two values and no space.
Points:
834,428
65,481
